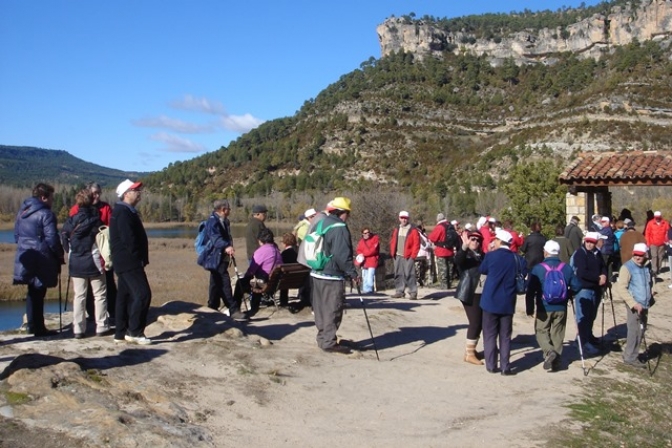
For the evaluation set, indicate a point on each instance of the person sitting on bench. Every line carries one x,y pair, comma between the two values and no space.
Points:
265,259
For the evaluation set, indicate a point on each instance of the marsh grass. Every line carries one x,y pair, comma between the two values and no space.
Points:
631,409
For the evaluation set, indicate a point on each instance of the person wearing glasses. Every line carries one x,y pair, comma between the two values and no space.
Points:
130,255
404,246
469,288
634,287
368,252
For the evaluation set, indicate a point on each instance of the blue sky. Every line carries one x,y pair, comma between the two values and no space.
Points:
138,84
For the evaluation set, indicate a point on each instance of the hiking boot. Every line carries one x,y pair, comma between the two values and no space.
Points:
398,295
338,349
140,339
470,355
549,360
414,297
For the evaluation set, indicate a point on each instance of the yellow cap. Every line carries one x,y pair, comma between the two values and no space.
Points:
339,203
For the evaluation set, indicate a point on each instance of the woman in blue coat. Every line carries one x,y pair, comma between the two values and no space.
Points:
39,254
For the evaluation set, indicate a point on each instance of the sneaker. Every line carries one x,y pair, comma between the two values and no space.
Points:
239,316
590,350
118,340
636,363
225,311
398,295
414,297
140,340
549,360
103,333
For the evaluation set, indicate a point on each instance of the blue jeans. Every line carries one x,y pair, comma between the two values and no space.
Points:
587,303
368,274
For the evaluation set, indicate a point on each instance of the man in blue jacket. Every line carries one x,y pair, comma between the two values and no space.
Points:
498,300
634,288
589,266
551,318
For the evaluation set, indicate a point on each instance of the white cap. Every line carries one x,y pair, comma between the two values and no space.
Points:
605,219
454,222
504,236
403,214
492,219
594,236
127,185
640,249
482,220
657,213
310,213
468,226
552,247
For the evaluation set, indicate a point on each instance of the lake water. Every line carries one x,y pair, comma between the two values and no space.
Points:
11,313
238,231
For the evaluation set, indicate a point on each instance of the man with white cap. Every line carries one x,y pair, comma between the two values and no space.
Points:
634,287
656,238
301,228
590,268
498,300
130,255
488,232
548,290
608,241
404,246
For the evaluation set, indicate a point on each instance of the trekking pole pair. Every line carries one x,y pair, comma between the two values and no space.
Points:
366,316
238,278
613,310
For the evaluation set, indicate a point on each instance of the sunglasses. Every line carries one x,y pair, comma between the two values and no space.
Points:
475,239
366,233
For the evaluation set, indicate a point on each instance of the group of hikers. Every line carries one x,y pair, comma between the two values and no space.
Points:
491,262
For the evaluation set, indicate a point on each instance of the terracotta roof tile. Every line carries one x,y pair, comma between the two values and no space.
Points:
619,168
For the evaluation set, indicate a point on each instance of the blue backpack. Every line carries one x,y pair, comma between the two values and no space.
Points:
554,288
200,244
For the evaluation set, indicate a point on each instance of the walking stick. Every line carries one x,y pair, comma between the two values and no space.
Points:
67,290
60,312
613,311
238,277
604,298
578,337
646,346
366,316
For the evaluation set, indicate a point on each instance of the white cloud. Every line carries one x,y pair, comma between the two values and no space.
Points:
177,144
173,124
189,102
240,123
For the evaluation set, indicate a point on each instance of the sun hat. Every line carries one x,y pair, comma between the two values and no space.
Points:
339,203
127,185
403,214
475,235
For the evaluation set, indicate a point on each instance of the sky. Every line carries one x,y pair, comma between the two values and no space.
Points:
138,84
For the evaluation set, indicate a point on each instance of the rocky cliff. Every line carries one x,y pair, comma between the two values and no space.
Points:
651,19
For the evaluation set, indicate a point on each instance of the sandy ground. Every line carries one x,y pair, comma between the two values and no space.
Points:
208,381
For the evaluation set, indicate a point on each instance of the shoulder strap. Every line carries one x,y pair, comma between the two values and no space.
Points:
546,267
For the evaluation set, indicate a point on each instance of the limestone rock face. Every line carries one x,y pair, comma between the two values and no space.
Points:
588,38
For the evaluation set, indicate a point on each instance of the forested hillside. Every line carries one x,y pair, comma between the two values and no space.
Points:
23,166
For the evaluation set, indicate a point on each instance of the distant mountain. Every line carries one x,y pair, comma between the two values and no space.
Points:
23,166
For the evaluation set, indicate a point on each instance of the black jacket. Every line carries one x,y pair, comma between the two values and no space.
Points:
589,265
128,240
79,234
533,248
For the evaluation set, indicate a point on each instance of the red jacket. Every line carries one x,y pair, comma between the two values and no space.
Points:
438,235
103,208
656,232
412,243
517,242
488,236
370,249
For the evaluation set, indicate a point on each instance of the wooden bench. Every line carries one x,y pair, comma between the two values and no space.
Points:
285,276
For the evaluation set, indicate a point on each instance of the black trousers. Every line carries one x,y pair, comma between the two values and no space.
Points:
219,289
35,309
133,299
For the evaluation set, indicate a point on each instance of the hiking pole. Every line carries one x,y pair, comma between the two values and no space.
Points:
366,316
604,297
578,338
613,311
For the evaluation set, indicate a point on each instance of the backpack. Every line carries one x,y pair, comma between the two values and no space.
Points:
451,238
200,243
313,246
554,288
103,243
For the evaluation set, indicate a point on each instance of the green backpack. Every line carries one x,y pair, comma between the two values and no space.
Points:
313,246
